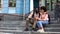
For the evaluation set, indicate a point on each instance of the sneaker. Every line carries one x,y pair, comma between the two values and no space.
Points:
40,30
26,29
34,29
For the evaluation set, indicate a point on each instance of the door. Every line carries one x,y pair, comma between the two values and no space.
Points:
36,3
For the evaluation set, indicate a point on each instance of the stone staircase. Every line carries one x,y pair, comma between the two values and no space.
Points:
16,25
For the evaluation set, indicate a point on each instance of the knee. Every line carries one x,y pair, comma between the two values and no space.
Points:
47,22
27,19
39,22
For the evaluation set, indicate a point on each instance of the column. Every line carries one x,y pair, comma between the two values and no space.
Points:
19,6
5,6
27,6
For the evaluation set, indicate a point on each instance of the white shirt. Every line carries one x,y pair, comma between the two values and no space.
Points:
30,15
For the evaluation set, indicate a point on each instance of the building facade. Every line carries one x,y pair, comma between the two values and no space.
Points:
16,6
24,6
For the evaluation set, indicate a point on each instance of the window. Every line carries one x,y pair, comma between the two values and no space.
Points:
12,3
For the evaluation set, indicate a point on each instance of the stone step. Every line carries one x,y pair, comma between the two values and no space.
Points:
12,23
5,33
53,25
8,17
26,32
12,17
11,31
15,23
52,29
50,25
12,28
45,33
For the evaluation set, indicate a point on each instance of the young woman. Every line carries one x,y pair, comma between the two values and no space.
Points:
32,17
43,19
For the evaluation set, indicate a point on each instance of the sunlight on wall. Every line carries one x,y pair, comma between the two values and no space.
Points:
31,5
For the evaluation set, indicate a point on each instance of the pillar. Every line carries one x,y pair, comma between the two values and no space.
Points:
19,6
27,6
5,6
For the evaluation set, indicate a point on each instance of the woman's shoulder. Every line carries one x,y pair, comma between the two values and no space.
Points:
45,12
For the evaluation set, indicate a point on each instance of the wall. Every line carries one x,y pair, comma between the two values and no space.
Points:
19,9
5,6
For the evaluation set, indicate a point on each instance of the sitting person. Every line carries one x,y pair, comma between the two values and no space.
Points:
32,17
43,19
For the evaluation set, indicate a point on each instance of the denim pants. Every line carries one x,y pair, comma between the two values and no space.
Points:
40,23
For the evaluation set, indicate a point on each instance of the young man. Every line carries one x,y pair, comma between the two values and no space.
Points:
32,18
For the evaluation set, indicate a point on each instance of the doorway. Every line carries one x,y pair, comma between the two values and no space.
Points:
36,3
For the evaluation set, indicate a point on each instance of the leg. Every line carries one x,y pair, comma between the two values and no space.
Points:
39,23
27,24
34,24
45,22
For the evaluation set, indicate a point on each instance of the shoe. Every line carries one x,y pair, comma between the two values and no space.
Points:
26,29
40,30
34,29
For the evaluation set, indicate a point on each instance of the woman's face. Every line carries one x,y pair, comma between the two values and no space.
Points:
42,10
36,9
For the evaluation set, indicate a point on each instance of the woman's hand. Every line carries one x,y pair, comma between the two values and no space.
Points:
42,17
34,19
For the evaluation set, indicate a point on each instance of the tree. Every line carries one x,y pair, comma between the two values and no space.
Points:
13,2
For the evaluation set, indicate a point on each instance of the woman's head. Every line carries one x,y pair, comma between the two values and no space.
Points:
43,9
36,10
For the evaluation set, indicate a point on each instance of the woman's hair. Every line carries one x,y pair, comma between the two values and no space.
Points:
43,7
36,11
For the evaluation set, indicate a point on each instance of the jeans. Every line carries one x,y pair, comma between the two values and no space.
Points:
40,23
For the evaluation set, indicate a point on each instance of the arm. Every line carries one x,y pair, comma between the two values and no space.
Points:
42,17
39,18
30,15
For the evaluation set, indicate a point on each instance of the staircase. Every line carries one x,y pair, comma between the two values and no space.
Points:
16,25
